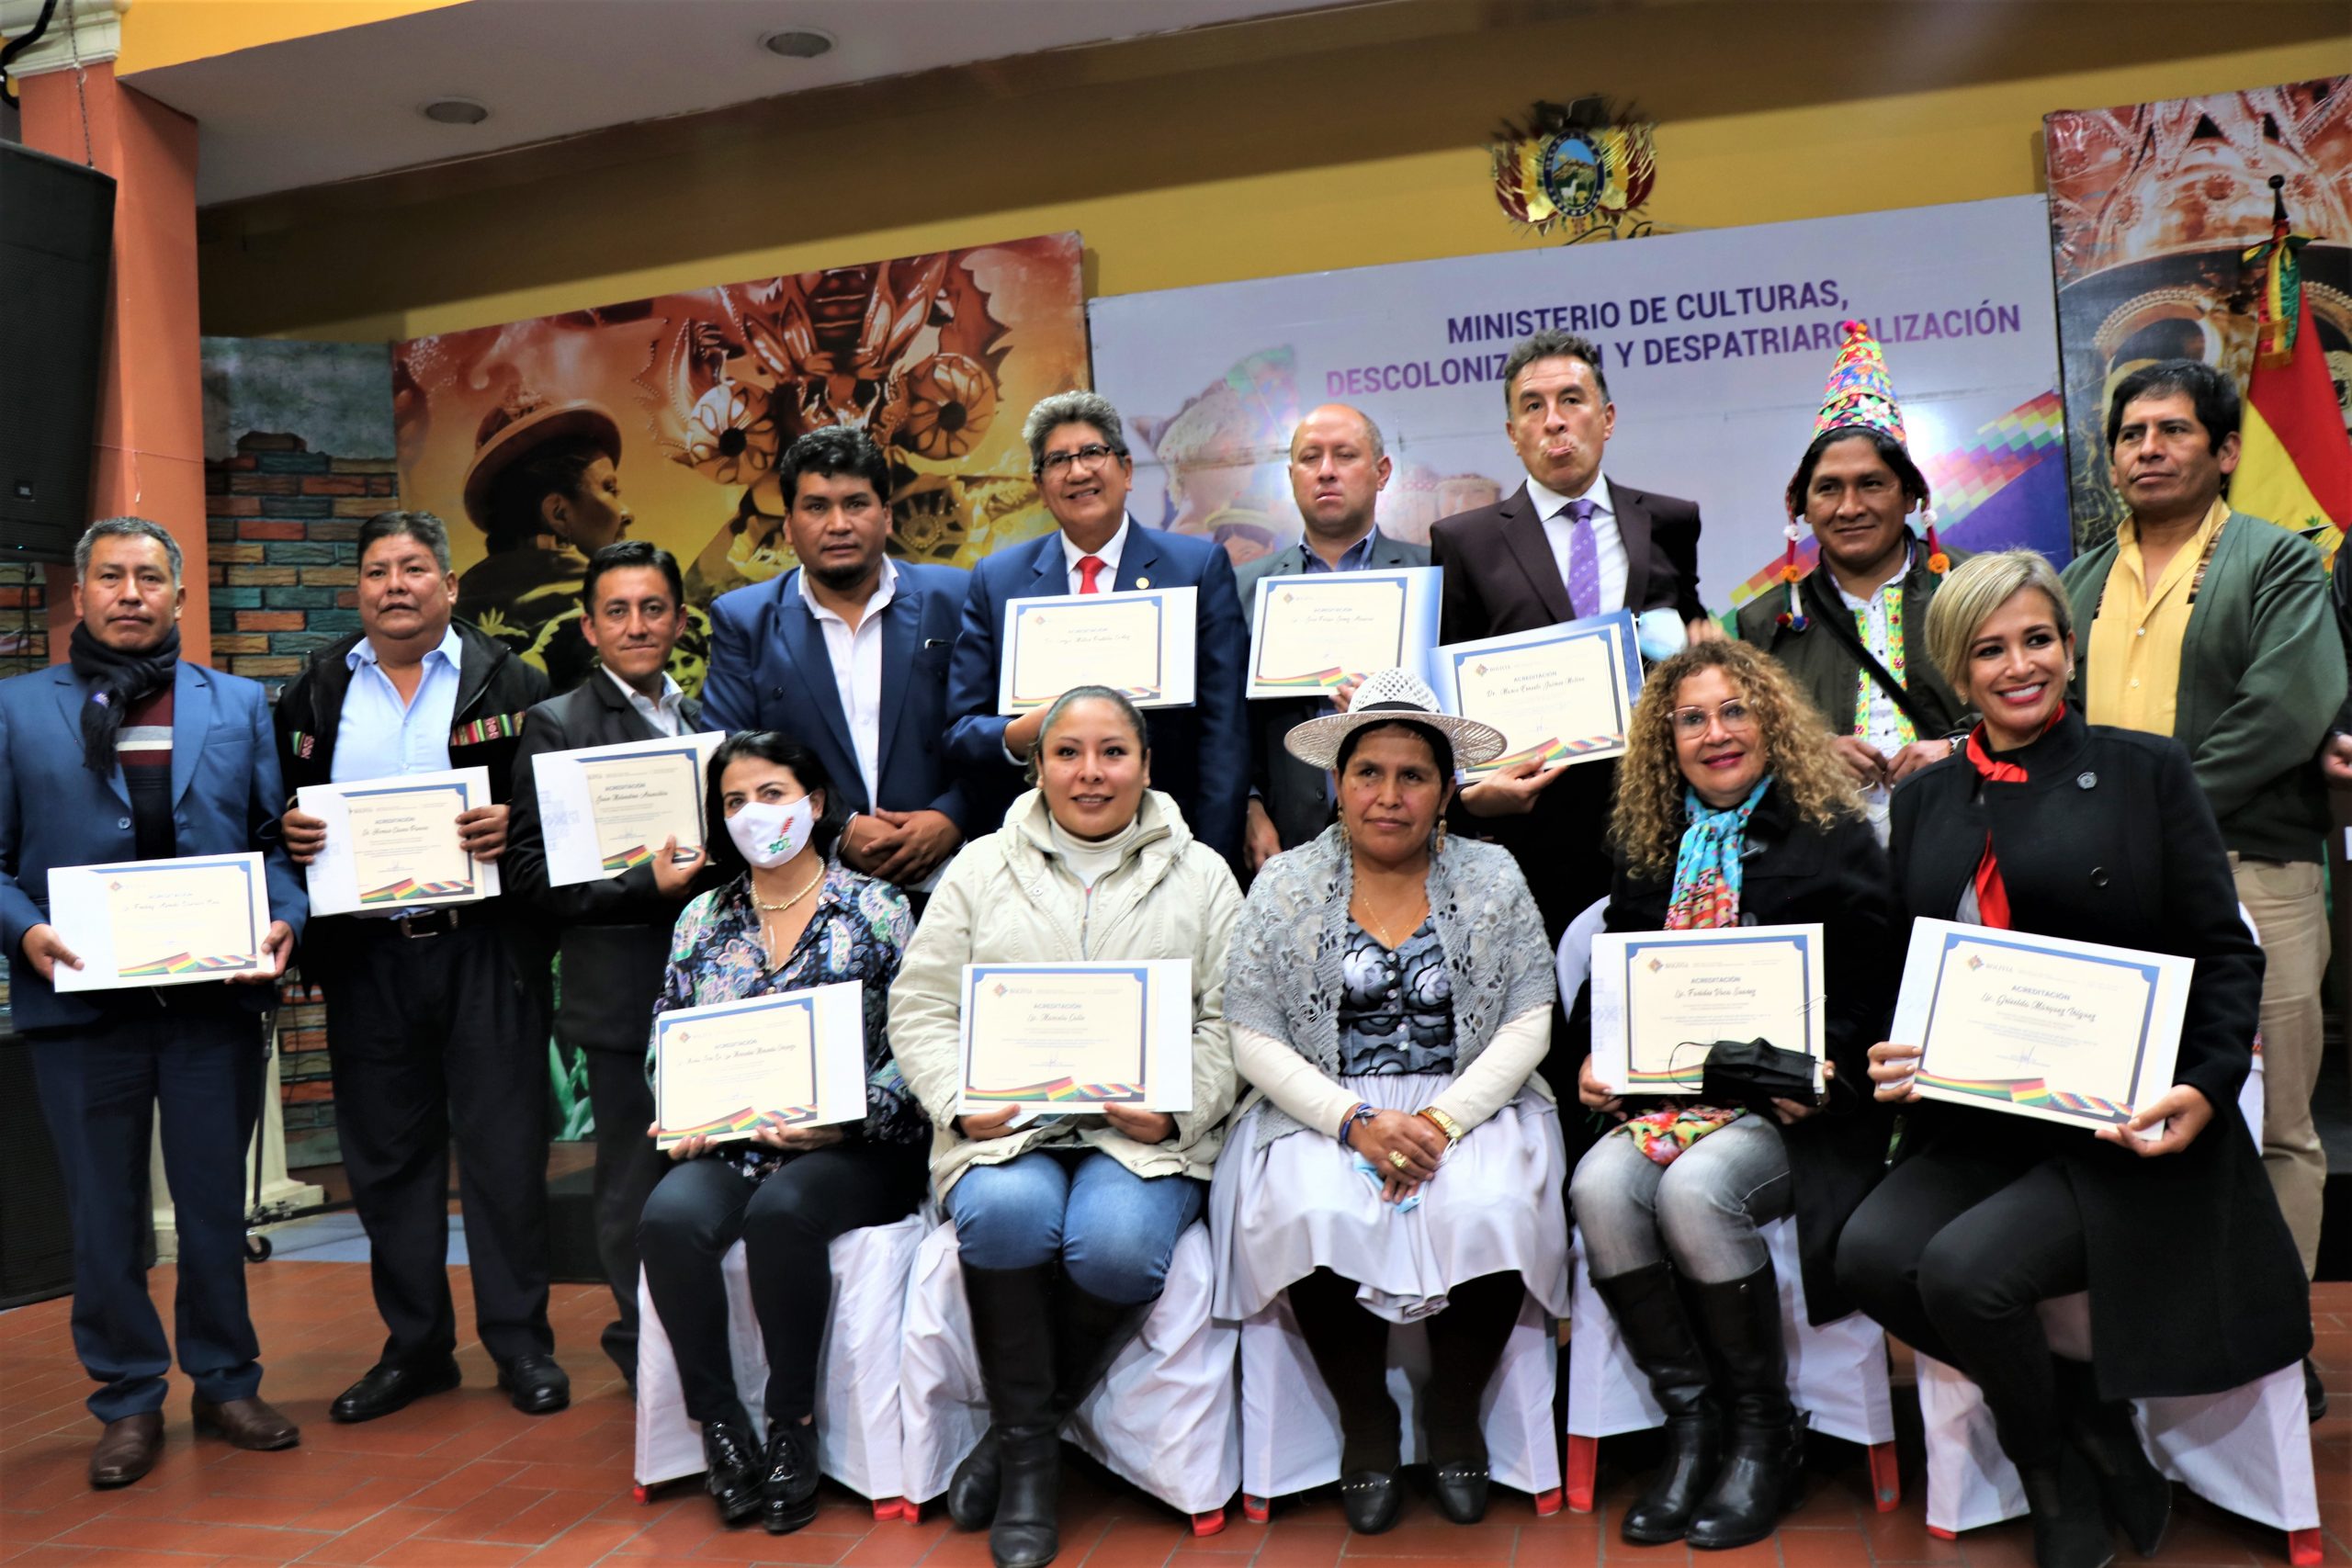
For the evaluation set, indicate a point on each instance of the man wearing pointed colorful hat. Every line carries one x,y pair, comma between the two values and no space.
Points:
1853,631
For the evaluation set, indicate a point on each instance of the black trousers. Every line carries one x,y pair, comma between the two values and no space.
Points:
1952,1253
627,1167
433,1036
786,1223
99,1090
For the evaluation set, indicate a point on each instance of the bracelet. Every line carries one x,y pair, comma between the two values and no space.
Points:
1443,1123
1362,1112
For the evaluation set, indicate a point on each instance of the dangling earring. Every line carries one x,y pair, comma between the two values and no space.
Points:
1441,835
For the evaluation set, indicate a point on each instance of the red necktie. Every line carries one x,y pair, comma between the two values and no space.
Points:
1090,567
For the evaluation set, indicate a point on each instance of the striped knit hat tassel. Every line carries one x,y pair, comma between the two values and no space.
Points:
1937,563
1791,575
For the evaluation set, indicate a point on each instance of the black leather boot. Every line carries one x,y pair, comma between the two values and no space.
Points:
2136,1494
788,1492
1763,1468
2070,1524
1013,1330
1089,1334
731,1469
1350,1350
1656,1330
972,1490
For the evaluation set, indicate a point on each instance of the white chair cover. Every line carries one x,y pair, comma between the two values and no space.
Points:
1165,1417
858,1442
1290,1427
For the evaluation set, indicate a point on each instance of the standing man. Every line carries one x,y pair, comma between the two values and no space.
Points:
1200,755
2214,627
437,1020
126,753
1566,545
613,934
1339,466
847,654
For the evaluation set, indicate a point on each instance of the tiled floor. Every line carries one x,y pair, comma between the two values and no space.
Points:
462,1480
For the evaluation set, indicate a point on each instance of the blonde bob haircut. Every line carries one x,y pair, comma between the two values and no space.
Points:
1647,822
1974,590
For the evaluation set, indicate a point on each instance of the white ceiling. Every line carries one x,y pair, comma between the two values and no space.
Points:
341,105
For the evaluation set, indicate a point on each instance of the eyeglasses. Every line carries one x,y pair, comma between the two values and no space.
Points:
1093,453
1732,715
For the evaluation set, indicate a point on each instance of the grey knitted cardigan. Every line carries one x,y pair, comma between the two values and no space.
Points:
1282,974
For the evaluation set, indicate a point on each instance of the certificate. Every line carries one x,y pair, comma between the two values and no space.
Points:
1137,642
1073,1037
1660,1000
603,809
2041,1026
160,922
392,843
1559,694
793,1060
1309,633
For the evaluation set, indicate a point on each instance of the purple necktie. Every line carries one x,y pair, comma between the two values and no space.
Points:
1584,561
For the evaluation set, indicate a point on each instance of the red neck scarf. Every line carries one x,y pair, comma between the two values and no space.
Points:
1992,893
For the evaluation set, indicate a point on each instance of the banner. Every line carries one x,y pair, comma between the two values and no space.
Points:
1718,343
692,397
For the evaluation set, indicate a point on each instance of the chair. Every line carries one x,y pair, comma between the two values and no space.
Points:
859,1441
1164,1417
1290,1427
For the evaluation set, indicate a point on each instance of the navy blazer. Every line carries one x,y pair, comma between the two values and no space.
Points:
770,670
1200,755
53,811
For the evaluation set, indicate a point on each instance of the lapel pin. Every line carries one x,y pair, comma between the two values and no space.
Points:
1143,583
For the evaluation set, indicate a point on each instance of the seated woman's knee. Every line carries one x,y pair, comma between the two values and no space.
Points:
1004,1221
1127,1266
1874,1256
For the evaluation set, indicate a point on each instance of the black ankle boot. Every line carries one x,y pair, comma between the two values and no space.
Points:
731,1469
2070,1525
971,1493
2136,1494
1656,1330
1012,1318
789,1490
1763,1468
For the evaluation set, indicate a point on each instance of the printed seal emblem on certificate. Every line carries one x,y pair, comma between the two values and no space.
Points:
1137,642
607,809
792,1059
1309,632
159,922
1077,1036
1560,695
1660,1000
392,843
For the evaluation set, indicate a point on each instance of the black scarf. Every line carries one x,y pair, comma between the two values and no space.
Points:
122,681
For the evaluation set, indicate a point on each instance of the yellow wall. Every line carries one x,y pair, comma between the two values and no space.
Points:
1293,146
157,33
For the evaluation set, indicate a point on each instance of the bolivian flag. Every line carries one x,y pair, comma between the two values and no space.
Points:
2297,464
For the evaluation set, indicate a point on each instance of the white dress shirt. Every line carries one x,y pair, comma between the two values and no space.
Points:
857,656
667,715
1107,580
1609,546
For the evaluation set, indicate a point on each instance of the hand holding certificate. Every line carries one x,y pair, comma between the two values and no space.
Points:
1309,634
793,1060
603,809
1559,694
162,923
1661,998
1078,1036
1138,642
394,844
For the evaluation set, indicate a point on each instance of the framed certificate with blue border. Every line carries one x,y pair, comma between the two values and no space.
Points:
2041,1026
1078,1036
1661,999
1308,633
160,922
605,810
1560,695
1138,641
791,1059
392,843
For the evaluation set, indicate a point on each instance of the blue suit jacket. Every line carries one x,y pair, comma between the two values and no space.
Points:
1200,755
53,811
770,670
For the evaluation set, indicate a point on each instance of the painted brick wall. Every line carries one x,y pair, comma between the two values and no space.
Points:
284,522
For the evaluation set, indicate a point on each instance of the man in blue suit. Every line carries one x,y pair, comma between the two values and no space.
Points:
128,753
1200,755
847,654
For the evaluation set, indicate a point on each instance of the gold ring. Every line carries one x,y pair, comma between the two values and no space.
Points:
1397,1159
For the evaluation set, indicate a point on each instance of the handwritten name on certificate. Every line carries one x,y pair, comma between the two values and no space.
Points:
2041,1026
1309,633
159,922
1559,694
1135,641
606,810
1063,1037
392,843
793,1060
1660,1000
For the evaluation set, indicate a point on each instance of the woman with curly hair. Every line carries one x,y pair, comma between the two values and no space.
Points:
1733,809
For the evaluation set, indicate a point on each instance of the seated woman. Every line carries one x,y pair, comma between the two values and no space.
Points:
2051,826
785,919
1065,1223
1733,809
1391,999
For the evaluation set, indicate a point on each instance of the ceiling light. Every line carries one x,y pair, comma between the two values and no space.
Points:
798,43
454,111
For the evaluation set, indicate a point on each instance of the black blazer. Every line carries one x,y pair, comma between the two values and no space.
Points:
1292,791
2195,1284
1792,873
614,934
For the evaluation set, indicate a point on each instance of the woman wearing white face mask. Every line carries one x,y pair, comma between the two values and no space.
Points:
789,920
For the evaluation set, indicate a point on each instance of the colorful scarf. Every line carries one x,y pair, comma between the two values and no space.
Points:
1992,893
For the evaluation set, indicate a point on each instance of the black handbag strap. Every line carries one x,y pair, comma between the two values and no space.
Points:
1840,622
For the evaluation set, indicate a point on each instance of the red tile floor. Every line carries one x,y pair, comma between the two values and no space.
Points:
462,1480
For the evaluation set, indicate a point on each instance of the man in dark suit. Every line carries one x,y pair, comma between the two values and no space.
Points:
1200,755
616,934
127,752
847,654
1566,545
1339,466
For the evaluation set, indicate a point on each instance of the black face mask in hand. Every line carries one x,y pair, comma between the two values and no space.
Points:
122,680
1754,1073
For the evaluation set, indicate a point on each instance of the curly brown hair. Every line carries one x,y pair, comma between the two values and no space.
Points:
1648,821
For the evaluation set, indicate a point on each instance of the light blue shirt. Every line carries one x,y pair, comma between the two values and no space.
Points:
380,735
1355,558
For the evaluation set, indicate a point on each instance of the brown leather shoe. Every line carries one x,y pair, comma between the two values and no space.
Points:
249,1423
127,1449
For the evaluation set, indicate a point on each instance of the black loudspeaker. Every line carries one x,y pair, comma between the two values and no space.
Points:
56,234
36,1239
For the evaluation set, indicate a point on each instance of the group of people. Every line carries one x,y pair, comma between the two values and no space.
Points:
1379,1056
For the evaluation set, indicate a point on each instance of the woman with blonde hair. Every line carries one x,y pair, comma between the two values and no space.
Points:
1732,809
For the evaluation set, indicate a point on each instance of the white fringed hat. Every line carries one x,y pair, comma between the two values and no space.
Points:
1383,697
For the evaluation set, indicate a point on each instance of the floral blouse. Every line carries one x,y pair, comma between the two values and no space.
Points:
857,932
1395,1009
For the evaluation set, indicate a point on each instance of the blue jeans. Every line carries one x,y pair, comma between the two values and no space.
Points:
1701,1212
1115,1231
